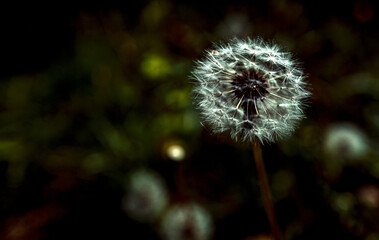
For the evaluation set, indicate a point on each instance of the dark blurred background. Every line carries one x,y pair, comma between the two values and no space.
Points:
99,137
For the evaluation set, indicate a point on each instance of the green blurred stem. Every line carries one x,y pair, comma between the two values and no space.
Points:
265,188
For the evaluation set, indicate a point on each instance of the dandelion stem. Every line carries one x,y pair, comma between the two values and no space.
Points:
265,189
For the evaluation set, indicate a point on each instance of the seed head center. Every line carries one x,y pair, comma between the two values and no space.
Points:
249,88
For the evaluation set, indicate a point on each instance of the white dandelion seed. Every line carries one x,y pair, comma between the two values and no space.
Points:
251,89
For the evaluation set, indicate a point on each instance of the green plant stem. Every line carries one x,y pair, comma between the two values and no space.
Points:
265,189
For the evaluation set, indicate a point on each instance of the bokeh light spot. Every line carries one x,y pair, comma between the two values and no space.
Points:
369,195
344,202
363,11
176,152
155,12
155,66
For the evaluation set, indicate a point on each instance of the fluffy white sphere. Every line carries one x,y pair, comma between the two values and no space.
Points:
251,89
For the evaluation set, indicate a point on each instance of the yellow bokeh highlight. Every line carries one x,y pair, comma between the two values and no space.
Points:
155,66
176,152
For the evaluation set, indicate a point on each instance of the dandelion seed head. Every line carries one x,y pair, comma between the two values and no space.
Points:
251,89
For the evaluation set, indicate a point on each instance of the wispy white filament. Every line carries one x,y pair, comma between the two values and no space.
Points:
251,89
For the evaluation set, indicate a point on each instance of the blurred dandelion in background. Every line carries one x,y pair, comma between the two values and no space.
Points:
187,221
345,141
236,24
146,196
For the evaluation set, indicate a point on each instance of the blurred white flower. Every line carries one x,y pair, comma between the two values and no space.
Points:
251,89
345,141
187,222
146,196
